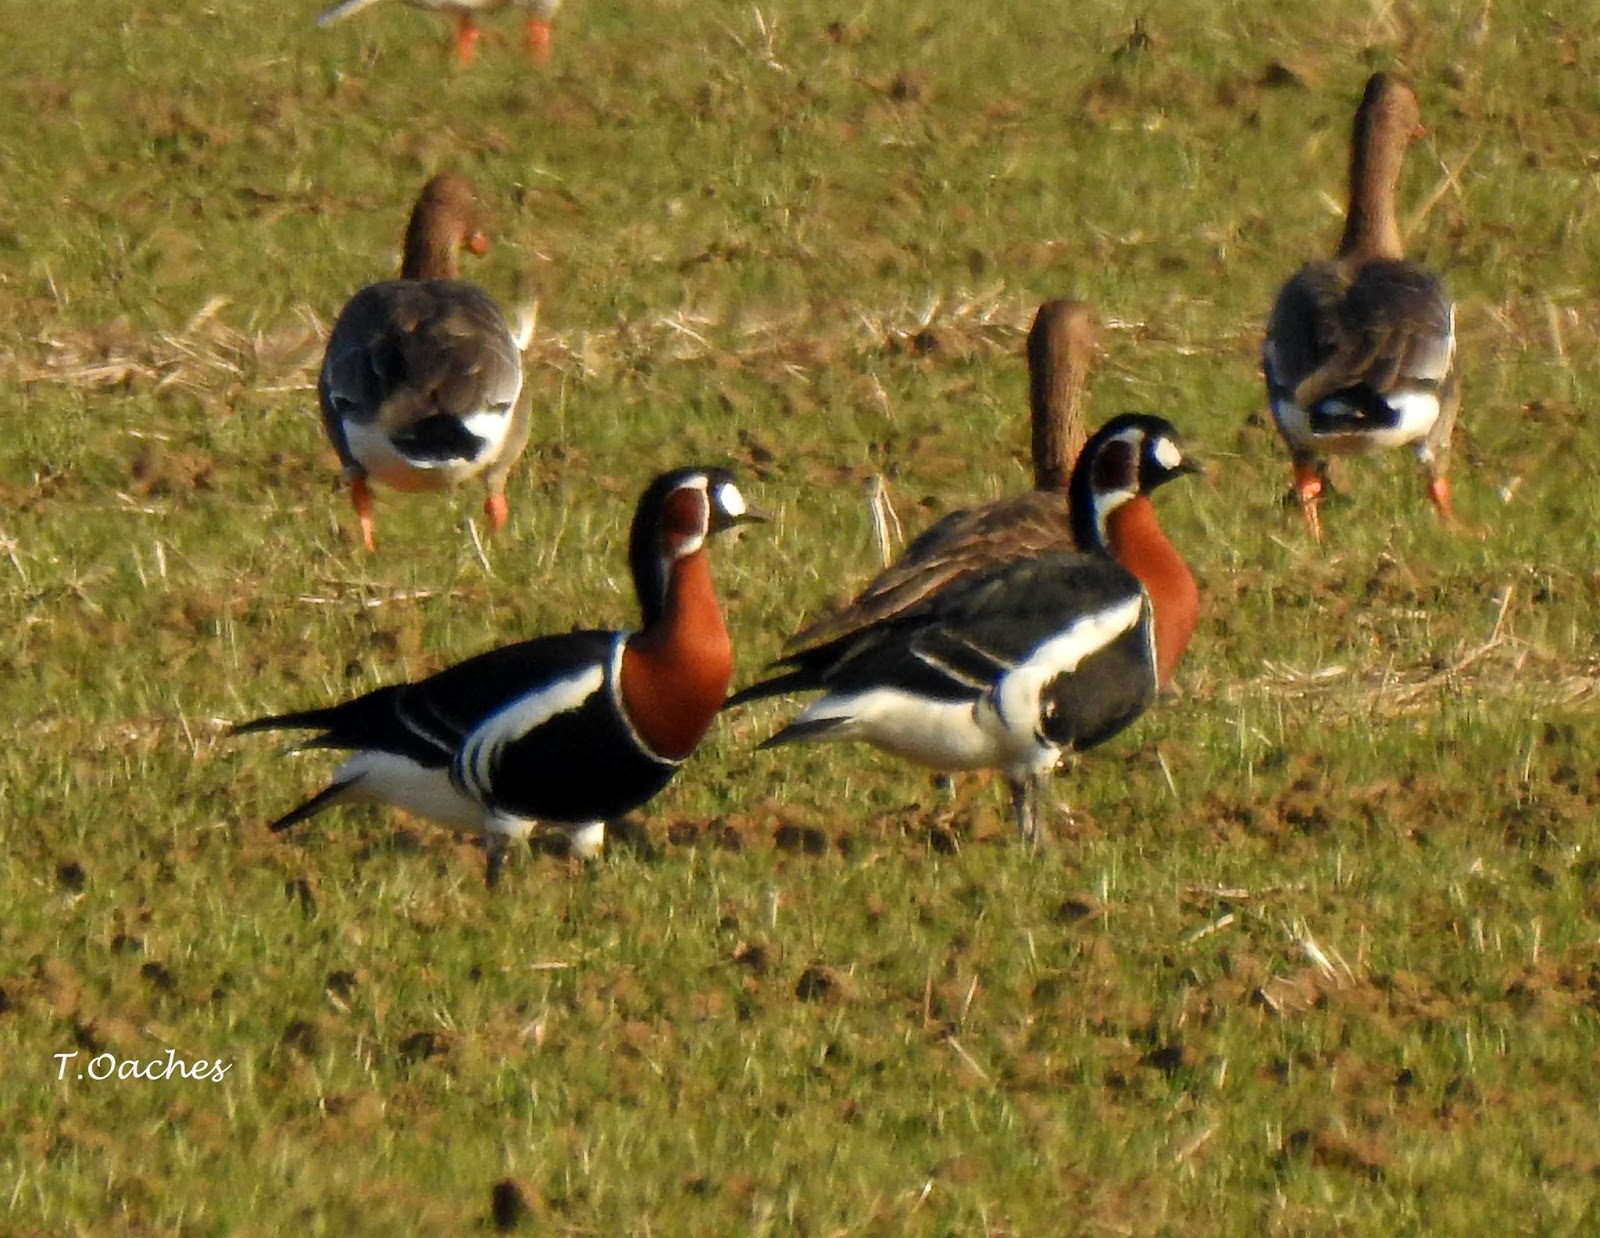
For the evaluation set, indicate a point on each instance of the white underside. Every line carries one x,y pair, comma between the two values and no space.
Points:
385,778
940,735
588,841
384,462
1416,410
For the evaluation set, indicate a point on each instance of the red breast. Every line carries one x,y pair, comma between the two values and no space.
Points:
1137,542
675,674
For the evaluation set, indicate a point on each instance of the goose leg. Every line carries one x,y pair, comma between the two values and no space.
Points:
1025,804
361,500
538,33
1308,484
496,510
1439,496
467,36
494,502
494,846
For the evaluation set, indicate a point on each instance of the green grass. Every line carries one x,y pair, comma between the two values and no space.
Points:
1318,949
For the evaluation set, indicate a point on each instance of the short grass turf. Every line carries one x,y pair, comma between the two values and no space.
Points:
1317,948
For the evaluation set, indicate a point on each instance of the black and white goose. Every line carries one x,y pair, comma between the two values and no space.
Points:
572,729
422,378
965,543
1011,668
1360,351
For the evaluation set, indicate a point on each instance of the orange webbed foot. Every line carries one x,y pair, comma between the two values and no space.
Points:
539,34
1439,496
1308,486
467,36
497,511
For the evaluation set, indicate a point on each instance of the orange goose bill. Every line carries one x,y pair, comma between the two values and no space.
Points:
537,28
1360,351
421,383
1010,669
572,729
966,543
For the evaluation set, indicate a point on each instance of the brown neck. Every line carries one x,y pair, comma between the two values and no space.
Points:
431,251
675,673
1137,542
1059,349
1371,230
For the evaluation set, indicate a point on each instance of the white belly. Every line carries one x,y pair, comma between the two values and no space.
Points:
384,778
941,735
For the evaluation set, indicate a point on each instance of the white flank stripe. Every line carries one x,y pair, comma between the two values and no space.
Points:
1016,697
387,778
525,714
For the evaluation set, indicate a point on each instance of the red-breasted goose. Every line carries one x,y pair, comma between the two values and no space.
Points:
1011,668
572,729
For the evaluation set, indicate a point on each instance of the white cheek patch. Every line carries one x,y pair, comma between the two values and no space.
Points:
1167,454
730,500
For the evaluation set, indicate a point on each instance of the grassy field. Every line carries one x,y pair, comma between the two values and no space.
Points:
1318,948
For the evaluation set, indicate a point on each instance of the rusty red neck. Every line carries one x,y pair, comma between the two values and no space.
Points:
1136,541
675,672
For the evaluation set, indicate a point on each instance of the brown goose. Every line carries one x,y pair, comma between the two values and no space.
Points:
1360,351
421,380
1061,345
536,28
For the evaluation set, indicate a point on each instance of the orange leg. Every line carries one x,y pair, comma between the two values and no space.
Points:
496,509
361,500
539,34
467,36
1439,495
1308,489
